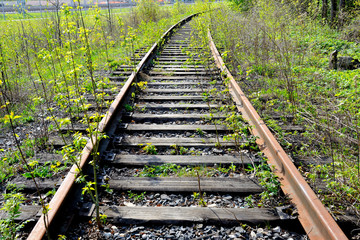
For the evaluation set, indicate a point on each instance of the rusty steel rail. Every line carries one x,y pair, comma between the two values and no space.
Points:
315,219
56,202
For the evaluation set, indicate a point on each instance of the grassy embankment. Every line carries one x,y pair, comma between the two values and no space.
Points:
281,59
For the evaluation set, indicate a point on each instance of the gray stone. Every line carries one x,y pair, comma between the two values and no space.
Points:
133,230
182,229
278,238
240,230
259,235
267,233
285,235
107,235
276,229
252,235
276,235
238,235
216,150
165,197
227,197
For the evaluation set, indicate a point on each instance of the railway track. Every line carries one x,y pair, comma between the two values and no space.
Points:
168,163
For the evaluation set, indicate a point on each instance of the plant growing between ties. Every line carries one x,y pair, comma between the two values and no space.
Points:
269,181
11,205
10,118
199,131
178,150
149,149
136,197
202,202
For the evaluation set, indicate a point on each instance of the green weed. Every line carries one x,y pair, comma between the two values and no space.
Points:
179,150
163,170
129,108
150,149
11,205
199,131
136,197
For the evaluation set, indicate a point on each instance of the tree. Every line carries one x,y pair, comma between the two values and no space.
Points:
324,12
333,12
341,11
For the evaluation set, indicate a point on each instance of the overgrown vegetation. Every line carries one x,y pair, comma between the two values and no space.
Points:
12,206
53,76
166,170
280,55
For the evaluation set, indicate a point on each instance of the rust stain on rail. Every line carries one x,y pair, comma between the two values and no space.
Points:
39,230
315,219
